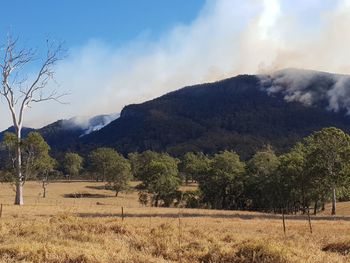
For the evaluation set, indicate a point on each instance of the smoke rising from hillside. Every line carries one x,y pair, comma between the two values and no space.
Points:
228,37
310,87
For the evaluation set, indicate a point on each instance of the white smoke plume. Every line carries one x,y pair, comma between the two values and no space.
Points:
88,124
228,37
310,87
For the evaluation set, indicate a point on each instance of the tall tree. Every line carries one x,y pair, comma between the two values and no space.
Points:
292,185
101,160
139,162
110,165
119,177
72,164
328,159
194,166
260,178
159,175
223,184
21,93
36,161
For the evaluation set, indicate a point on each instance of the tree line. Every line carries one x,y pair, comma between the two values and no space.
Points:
315,171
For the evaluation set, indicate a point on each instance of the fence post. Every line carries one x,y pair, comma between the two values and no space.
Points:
0,210
122,213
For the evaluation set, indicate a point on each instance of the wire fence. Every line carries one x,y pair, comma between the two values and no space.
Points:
83,207
125,213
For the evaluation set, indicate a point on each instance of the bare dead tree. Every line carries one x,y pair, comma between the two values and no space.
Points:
21,93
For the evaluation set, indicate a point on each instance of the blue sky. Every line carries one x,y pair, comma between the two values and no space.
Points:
123,52
78,21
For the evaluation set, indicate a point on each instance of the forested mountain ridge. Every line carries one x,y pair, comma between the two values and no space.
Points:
242,113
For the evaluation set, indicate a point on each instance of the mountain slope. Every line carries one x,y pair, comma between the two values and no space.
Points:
25,131
241,113
62,135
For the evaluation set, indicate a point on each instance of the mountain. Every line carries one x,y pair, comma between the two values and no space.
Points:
25,131
242,113
62,135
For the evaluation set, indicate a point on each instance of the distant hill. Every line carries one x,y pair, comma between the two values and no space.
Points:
25,131
63,135
242,113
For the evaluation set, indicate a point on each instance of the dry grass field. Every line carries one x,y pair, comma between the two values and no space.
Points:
90,229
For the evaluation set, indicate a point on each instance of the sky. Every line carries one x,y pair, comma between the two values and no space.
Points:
129,51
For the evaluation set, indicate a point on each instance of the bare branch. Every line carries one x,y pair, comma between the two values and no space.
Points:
13,87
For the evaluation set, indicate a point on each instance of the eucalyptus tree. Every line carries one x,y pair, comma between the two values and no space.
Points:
72,164
260,180
194,166
101,160
159,175
292,184
328,160
223,183
20,92
109,165
119,178
36,161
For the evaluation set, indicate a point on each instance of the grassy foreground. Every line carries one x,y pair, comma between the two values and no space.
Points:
90,229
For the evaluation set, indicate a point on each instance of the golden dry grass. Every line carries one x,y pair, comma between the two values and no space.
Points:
343,209
59,229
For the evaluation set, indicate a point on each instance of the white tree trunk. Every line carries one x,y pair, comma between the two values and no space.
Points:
24,93
19,194
19,176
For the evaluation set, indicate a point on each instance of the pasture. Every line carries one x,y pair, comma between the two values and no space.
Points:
82,222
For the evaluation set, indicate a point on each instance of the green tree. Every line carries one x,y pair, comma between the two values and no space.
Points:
36,161
328,160
101,161
119,174
72,164
139,162
223,184
159,175
20,92
260,179
292,184
193,166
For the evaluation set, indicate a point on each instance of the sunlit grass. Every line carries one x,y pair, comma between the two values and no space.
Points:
59,229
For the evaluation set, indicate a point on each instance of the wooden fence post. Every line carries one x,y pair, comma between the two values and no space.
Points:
1,211
122,213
